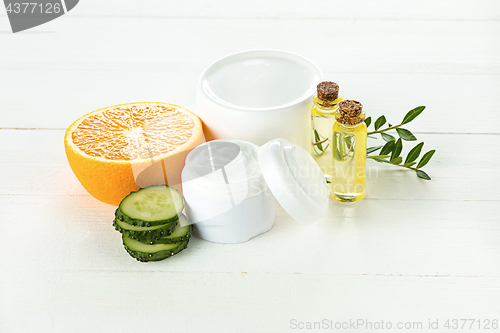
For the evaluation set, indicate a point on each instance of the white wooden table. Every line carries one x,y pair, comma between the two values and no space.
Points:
411,251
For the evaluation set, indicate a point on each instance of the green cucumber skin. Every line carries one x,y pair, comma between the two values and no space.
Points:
141,223
147,236
170,240
155,256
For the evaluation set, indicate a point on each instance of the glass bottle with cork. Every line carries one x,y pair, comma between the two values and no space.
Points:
349,133
323,111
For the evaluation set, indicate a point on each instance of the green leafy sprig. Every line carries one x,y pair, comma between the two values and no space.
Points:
390,152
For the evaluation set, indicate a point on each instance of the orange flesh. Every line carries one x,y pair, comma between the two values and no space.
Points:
129,132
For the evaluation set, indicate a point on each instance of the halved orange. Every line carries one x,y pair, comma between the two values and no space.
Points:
115,150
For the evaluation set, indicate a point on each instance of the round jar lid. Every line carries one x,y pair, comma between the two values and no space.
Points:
295,180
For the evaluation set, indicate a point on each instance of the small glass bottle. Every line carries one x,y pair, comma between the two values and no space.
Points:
348,179
322,119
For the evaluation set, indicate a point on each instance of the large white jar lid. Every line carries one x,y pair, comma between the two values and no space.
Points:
295,180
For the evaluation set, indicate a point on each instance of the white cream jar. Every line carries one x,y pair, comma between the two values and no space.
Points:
226,195
257,96
230,187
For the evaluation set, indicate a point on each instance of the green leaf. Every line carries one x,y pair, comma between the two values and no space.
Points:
423,175
396,160
409,164
387,137
426,158
413,154
377,157
397,150
372,149
368,121
388,147
412,114
337,155
379,122
317,139
380,160
405,134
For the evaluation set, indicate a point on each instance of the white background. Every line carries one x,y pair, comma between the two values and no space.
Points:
412,250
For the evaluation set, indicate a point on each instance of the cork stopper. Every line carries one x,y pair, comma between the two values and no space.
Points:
350,112
328,91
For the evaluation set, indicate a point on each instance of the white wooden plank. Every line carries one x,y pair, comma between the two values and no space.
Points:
285,9
46,108
372,237
104,43
411,251
172,62
82,301
451,99
460,168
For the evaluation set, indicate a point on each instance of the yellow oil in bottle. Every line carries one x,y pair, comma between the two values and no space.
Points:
322,119
348,155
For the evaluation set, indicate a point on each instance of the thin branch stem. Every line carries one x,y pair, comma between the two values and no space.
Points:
402,166
385,129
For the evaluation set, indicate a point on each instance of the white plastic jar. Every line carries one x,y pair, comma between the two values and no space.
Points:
257,96
226,195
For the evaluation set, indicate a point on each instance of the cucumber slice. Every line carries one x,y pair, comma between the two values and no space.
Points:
153,205
146,252
179,234
146,234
